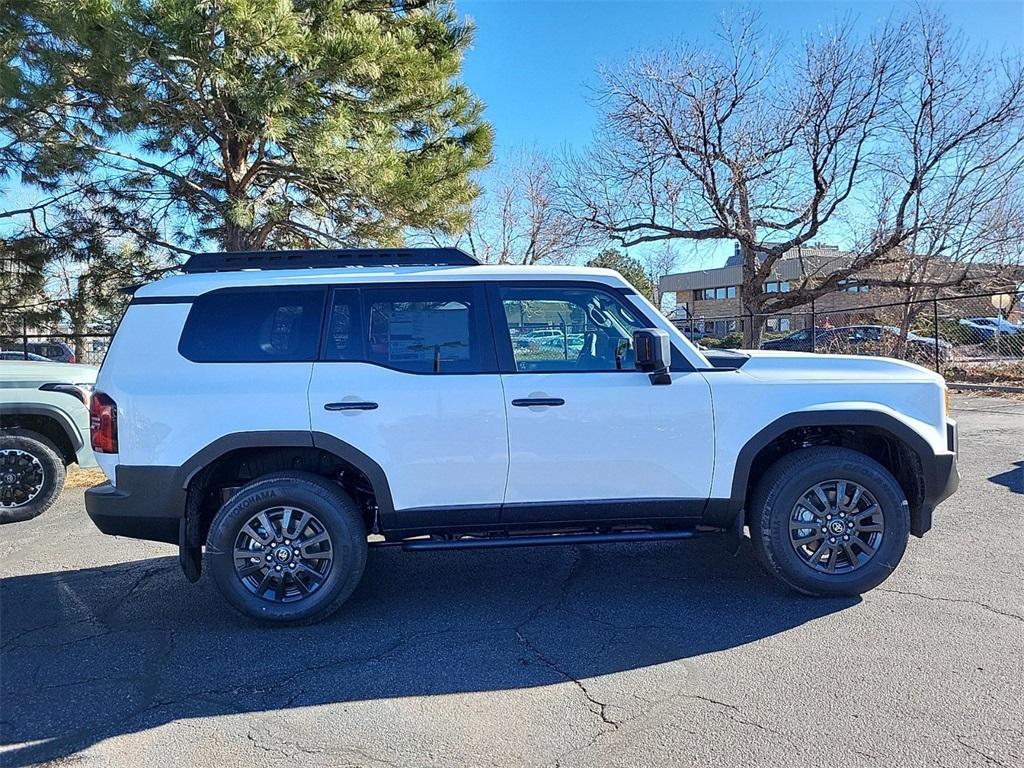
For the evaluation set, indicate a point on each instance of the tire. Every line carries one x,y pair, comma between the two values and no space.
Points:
28,457
302,598
774,509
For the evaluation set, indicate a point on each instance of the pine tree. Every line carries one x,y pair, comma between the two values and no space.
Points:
242,124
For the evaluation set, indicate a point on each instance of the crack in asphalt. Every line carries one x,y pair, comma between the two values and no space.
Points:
602,707
598,707
961,601
971,748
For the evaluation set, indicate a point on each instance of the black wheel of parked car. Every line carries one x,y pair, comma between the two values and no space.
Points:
829,521
31,474
288,548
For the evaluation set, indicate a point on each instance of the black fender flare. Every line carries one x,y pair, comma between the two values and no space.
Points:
53,412
724,515
187,502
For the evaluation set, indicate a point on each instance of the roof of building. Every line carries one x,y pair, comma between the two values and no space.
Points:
792,266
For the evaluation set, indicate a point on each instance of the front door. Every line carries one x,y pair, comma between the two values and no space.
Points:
408,377
589,436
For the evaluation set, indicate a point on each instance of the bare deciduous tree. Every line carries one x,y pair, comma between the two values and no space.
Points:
516,219
659,262
891,139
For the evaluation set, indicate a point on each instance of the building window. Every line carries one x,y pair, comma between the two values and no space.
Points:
777,286
852,286
717,294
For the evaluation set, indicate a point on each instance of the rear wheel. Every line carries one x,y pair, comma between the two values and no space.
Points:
31,475
288,548
829,521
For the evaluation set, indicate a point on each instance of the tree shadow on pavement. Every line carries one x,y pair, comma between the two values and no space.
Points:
1012,479
95,653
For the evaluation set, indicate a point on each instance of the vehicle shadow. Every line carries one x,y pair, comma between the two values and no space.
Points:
100,652
1012,478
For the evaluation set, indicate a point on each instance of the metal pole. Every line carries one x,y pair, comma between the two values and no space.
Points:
814,328
24,337
935,334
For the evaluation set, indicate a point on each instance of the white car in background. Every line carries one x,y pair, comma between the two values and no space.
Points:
44,427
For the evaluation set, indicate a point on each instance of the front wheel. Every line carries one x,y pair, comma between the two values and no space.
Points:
829,521
288,548
31,475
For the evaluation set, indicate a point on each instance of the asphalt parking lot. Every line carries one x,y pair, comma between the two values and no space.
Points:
657,654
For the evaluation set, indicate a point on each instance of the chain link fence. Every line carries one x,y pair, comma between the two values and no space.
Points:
84,348
977,338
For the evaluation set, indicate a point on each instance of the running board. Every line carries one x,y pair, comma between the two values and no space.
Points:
544,540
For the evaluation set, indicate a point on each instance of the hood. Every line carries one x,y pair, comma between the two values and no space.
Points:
805,366
34,370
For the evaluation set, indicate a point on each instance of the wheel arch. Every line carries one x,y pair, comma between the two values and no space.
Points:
236,459
897,446
50,422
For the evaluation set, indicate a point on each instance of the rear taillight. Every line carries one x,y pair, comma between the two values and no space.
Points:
103,423
72,359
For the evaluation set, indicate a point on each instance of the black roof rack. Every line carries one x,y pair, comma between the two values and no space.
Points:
319,259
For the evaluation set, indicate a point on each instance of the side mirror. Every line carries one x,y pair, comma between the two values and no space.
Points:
653,353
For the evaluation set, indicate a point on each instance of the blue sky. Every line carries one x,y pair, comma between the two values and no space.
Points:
533,61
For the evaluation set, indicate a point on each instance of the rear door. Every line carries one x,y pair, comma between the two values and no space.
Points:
589,436
408,377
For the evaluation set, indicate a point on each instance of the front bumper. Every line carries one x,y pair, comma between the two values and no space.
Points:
147,503
941,479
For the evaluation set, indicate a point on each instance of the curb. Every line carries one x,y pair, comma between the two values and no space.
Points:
988,387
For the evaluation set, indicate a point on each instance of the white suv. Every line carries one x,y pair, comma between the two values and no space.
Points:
287,410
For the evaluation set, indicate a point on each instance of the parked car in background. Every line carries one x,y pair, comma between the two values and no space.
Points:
540,337
44,427
13,354
881,340
798,341
57,351
982,328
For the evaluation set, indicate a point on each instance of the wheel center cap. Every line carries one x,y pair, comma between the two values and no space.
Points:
10,478
837,527
283,554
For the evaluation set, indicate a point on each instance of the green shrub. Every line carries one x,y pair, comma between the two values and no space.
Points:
731,341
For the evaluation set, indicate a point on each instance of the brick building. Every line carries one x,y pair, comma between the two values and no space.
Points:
708,299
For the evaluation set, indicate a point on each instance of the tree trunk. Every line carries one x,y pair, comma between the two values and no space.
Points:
235,238
79,315
752,299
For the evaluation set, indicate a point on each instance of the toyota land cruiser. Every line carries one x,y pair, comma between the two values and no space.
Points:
275,414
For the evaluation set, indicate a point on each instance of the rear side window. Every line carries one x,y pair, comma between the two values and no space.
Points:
254,326
428,329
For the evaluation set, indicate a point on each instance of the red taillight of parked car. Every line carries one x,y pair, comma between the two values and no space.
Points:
72,359
103,423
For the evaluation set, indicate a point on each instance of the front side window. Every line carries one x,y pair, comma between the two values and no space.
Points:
426,329
583,329
261,325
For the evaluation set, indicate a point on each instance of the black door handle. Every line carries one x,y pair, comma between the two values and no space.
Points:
350,406
527,402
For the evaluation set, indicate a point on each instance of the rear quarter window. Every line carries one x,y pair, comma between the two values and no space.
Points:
254,326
